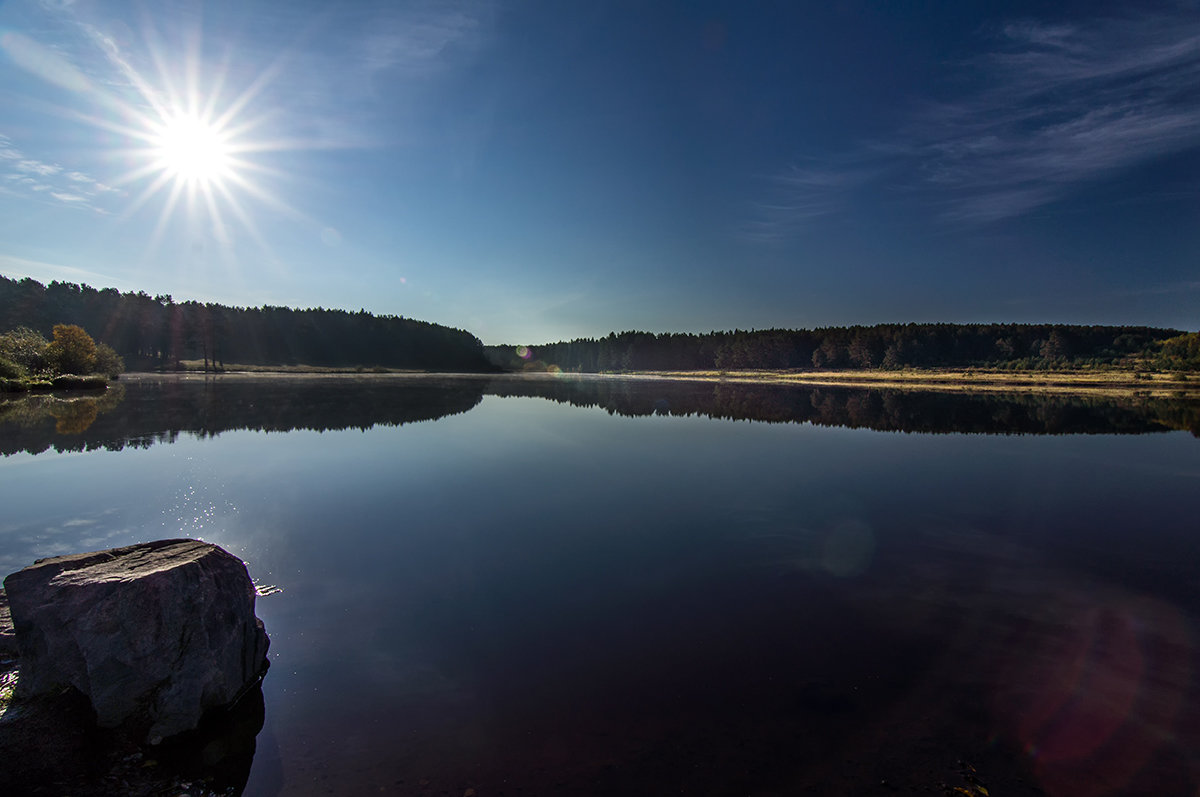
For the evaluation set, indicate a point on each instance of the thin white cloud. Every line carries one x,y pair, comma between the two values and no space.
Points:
1065,105
69,187
12,266
800,196
42,61
1058,107
424,40
37,167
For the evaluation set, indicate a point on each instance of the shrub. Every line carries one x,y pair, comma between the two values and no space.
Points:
72,351
107,361
10,369
24,347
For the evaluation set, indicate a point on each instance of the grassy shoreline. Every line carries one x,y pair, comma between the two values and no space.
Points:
1096,381
1099,381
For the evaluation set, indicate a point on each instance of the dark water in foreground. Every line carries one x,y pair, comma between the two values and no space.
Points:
628,589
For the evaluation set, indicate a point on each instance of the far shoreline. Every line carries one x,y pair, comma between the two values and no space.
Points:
1097,382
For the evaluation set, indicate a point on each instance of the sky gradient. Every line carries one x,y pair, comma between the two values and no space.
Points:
536,171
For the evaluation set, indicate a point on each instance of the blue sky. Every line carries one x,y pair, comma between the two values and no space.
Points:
534,171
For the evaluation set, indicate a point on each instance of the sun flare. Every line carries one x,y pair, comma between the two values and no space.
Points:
195,155
192,150
200,152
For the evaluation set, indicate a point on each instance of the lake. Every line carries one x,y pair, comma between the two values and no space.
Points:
601,586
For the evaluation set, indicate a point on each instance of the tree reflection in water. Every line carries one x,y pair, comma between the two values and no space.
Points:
148,410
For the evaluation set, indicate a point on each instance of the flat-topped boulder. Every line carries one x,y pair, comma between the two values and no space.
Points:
155,635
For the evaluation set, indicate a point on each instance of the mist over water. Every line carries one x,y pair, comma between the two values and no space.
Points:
625,589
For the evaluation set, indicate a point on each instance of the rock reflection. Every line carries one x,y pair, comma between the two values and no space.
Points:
220,752
50,745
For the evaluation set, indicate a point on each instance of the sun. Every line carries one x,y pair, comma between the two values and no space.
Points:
202,141
192,150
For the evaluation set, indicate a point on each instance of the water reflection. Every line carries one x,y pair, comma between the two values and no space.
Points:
158,409
147,410
72,412
49,746
530,597
220,752
881,409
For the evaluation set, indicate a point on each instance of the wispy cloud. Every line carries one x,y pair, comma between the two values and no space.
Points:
1065,105
425,39
1055,107
71,188
42,61
37,167
800,196
12,266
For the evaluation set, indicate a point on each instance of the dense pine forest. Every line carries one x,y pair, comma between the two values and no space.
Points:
884,346
158,332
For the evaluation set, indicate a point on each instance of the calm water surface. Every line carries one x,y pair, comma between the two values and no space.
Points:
618,587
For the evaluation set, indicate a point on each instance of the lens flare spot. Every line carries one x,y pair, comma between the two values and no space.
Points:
848,549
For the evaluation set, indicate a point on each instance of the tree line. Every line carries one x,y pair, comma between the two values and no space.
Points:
883,346
157,332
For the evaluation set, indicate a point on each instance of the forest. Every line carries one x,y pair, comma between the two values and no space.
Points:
158,332
883,346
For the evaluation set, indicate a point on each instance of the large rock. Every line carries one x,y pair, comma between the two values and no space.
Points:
154,635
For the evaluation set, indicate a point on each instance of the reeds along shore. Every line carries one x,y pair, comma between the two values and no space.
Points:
1108,381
